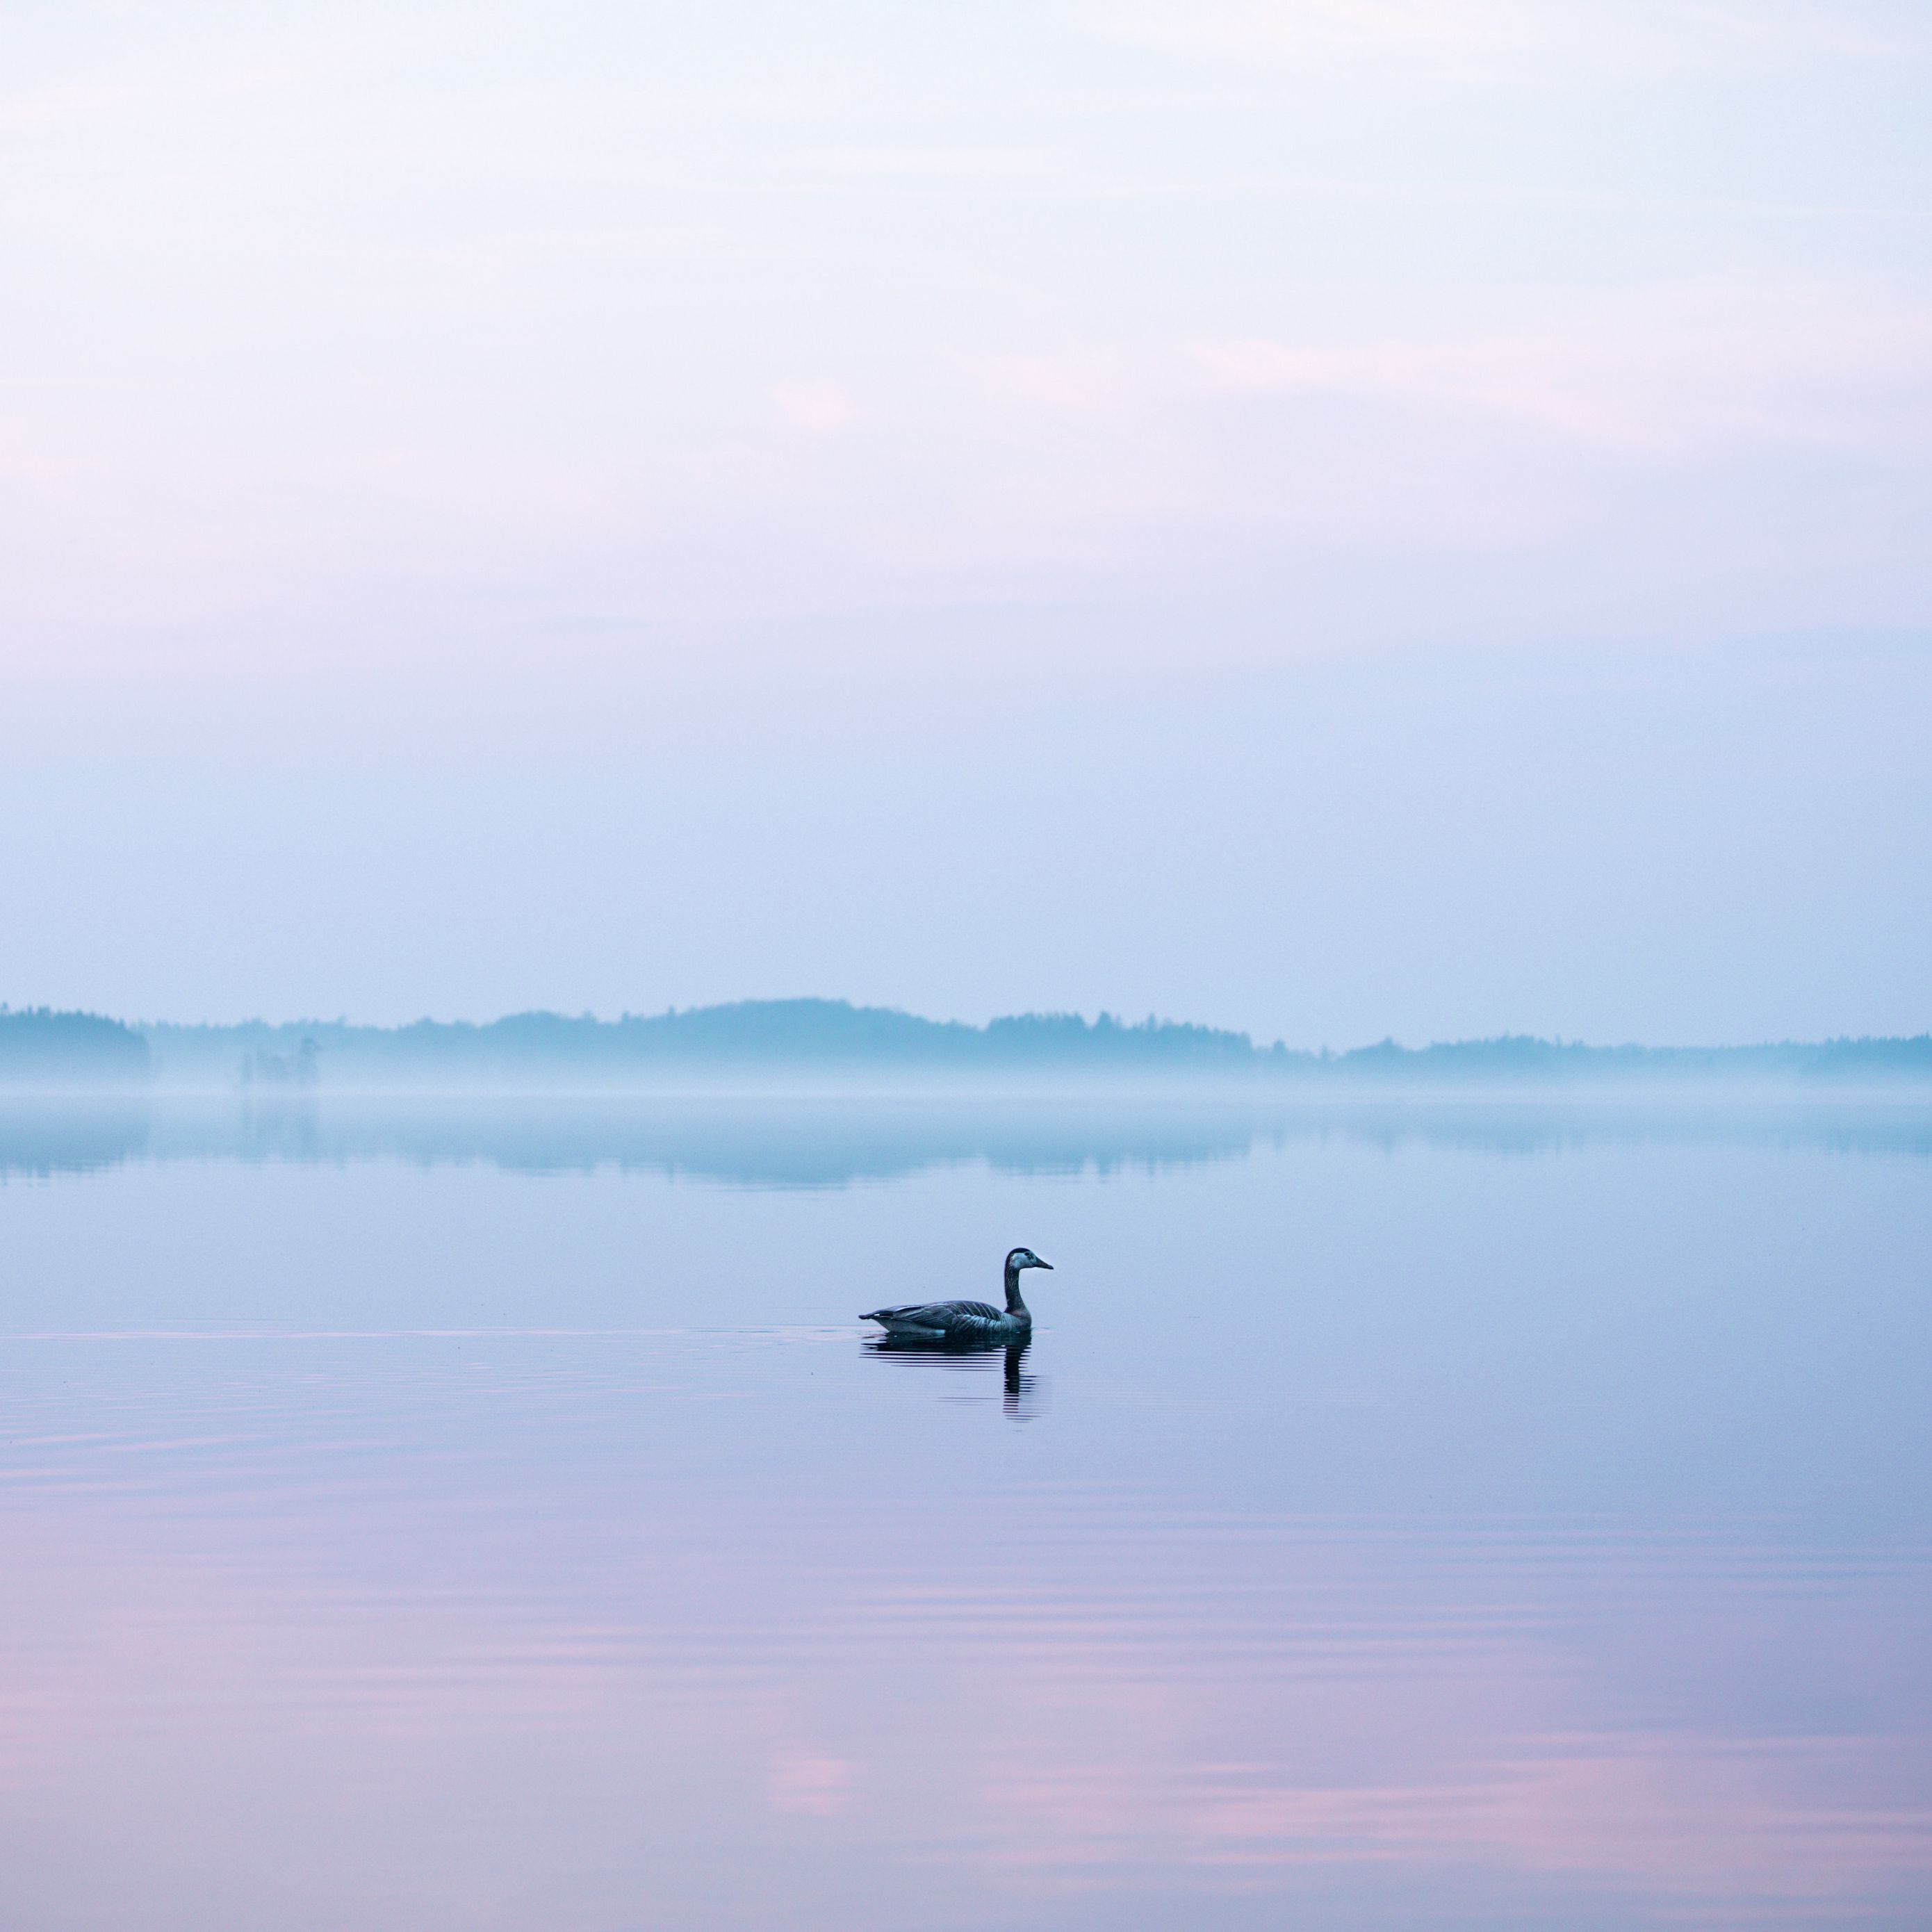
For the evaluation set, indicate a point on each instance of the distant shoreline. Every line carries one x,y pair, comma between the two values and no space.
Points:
830,1045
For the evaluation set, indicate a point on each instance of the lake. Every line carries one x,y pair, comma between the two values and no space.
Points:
492,1514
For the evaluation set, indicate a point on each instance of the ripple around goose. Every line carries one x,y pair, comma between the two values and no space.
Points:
966,1324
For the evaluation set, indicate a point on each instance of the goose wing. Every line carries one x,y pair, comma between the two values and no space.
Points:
950,1318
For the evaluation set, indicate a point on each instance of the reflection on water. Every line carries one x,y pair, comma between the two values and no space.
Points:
1025,1394
491,1529
816,1142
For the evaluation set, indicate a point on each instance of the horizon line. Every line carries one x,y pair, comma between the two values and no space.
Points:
1063,1024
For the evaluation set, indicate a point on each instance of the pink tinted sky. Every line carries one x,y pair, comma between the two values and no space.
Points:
1329,517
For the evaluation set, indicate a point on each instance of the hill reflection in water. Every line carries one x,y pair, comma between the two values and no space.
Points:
823,1141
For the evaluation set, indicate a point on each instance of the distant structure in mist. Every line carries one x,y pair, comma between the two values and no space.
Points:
832,1044
300,1069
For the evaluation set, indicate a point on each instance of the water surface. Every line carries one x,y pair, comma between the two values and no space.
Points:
491,1516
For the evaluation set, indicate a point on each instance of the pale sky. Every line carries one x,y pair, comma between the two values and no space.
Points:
1333,516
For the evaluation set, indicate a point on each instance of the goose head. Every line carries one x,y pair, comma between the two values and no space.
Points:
1025,1257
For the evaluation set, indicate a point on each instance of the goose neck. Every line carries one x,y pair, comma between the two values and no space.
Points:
1015,1301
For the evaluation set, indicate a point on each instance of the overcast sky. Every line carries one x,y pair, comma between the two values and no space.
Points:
1333,516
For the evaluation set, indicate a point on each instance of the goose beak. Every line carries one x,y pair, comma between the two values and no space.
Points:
1038,1263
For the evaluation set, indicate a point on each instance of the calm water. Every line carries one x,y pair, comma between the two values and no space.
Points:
428,1517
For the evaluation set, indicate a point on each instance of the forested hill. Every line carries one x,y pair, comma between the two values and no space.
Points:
832,1042
38,1046
810,1039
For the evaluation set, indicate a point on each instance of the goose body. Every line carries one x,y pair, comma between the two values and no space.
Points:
966,1324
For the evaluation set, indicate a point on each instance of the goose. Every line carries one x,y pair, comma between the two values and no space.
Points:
966,1322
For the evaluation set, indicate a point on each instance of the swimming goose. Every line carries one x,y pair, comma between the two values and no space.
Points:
966,1322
